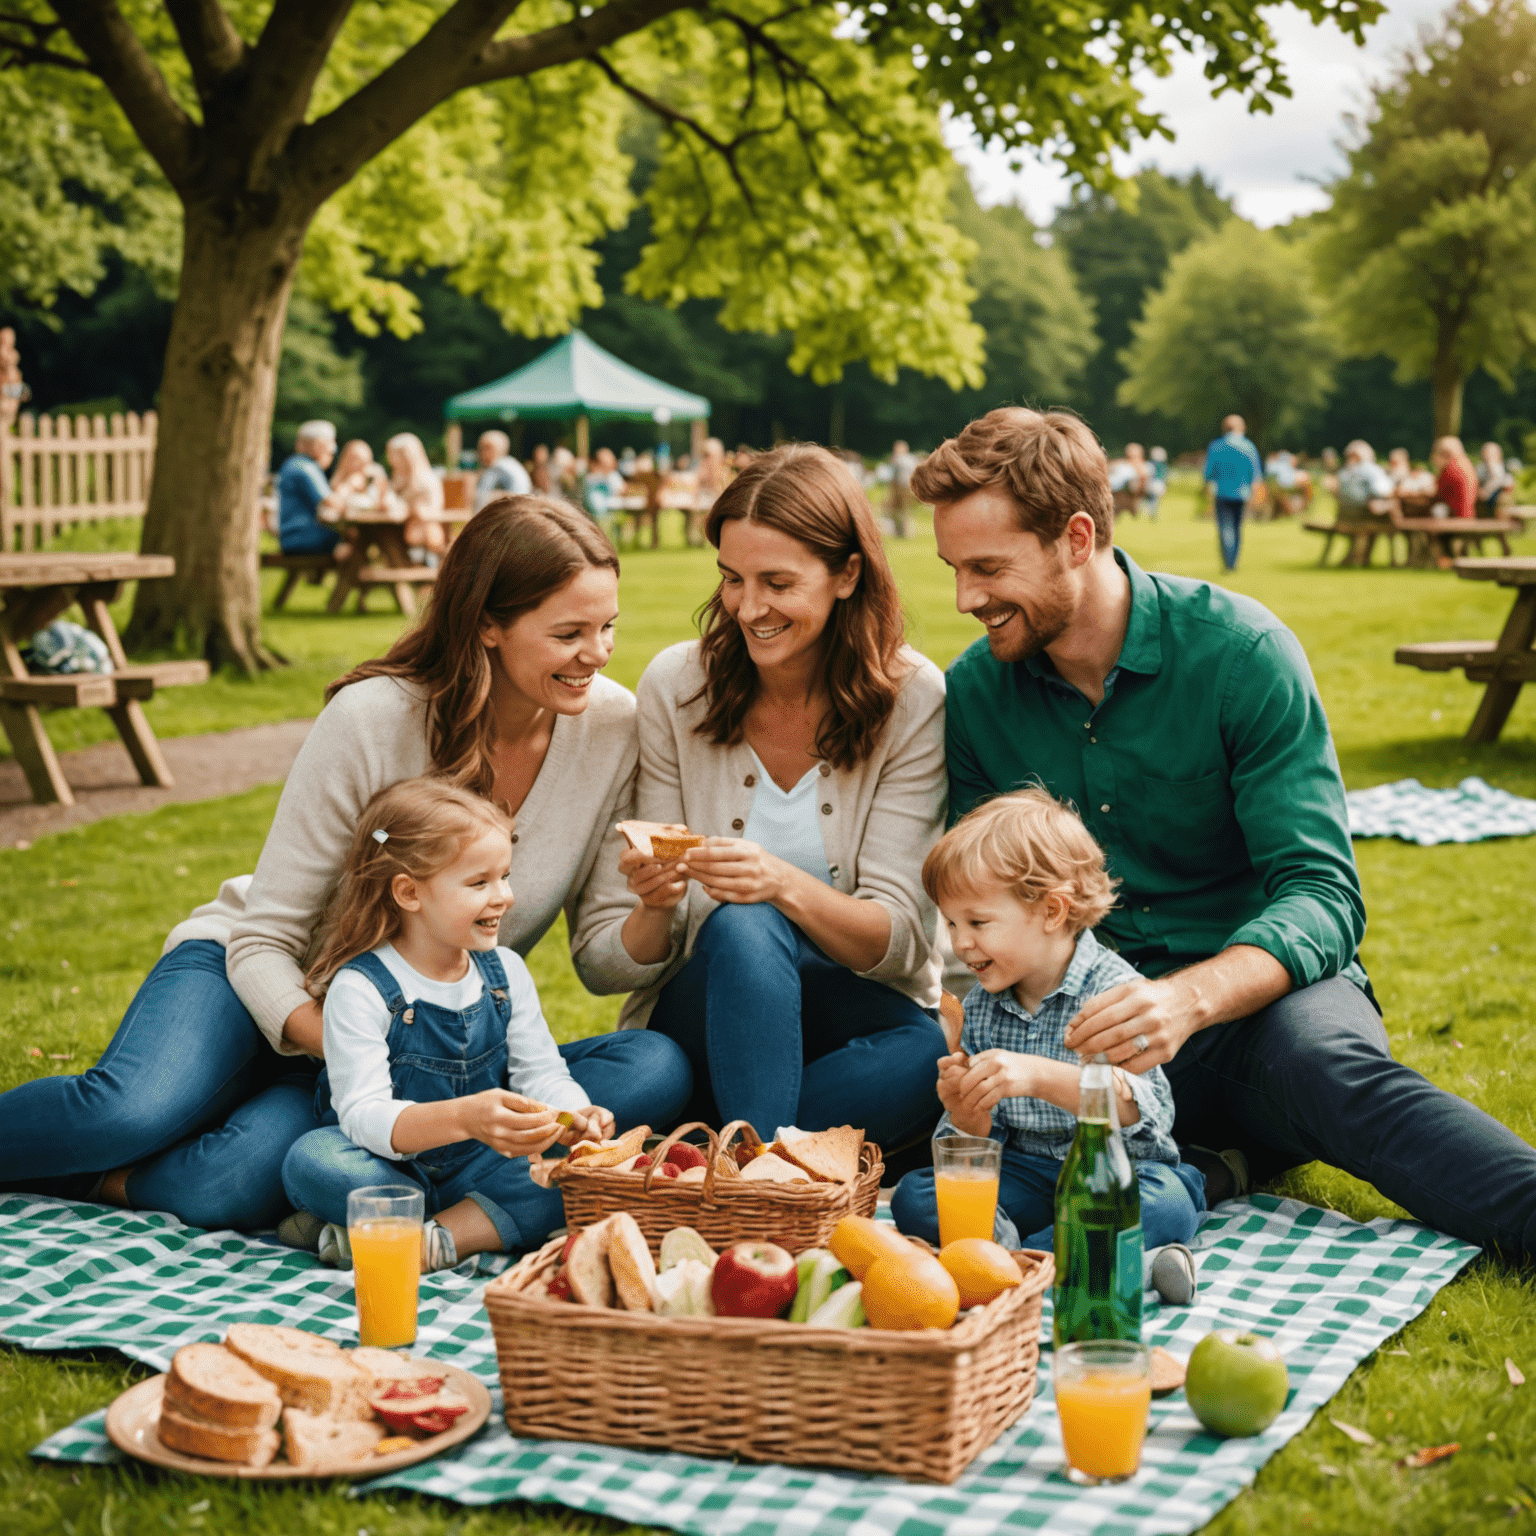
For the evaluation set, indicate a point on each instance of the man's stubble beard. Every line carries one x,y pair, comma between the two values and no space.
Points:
1037,628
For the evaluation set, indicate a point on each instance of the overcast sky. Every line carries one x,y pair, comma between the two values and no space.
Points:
1269,164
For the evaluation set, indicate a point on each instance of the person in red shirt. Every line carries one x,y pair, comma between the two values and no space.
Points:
1455,485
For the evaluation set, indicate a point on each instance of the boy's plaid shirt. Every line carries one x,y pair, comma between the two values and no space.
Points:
998,1023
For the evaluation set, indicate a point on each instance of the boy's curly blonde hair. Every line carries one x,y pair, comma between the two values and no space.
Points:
1033,845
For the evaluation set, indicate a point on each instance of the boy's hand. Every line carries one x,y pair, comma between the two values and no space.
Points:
994,1076
513,1125
593,1123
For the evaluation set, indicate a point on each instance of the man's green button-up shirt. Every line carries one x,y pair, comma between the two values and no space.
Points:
1207,773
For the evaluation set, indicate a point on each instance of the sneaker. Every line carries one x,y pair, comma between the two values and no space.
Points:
1226,1173
301,1230
1172,1274
334,1246
438,1250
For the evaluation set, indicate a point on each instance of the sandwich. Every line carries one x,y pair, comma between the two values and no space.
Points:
217,1407
830,1157
657,840
630,1263
317,1440
770,1166
309,1372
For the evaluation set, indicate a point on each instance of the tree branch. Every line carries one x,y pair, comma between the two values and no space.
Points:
456,51
209,40
34,47
117,57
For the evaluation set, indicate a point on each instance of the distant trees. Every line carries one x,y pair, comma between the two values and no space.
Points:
1235,327
1428,246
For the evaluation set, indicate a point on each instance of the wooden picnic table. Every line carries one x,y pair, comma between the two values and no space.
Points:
371,533
1504,664
34,590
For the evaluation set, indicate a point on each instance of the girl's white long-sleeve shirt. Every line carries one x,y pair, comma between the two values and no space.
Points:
357,1044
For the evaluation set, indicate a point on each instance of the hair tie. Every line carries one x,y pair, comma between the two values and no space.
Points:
380,835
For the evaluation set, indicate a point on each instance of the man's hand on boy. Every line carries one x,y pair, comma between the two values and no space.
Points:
513,1125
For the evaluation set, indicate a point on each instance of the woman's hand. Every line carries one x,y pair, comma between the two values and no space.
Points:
730,869
513,1125
656,885
593,1123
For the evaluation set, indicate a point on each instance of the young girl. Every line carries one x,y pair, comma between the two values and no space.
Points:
440,1068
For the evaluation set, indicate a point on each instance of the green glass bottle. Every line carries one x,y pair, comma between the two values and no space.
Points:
1098,1222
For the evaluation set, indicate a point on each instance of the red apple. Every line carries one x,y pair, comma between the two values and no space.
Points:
642,1162
670,1170
686,1155
753,1280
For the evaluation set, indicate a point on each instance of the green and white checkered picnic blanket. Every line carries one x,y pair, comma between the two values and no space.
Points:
1328,1289
1470,812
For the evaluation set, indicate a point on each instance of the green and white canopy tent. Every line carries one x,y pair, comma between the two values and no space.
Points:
576,379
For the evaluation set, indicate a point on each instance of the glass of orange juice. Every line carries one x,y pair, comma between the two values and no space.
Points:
965,1172
384,1227
1103,1392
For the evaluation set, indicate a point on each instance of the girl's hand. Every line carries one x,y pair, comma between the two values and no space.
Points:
513,1125
730,869
657,886
590,1124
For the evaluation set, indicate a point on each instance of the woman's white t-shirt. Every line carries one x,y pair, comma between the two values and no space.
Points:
787,823
357,1050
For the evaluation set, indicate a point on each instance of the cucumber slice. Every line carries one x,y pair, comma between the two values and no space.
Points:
844,1308
684,1243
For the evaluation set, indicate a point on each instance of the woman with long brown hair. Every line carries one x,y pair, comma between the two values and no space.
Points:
209,1079
806,739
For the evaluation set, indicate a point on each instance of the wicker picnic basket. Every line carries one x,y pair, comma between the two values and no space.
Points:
918,1405
723,1210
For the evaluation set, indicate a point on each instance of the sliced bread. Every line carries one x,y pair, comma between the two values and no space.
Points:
318,1440
770,1166
194,1437
309,1372
586,1266
631,1264
211,1383
831,1156
383,1366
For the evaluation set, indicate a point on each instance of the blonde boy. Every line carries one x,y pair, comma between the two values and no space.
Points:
1021,884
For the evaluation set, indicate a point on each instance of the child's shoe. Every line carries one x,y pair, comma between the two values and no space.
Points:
301,1230
1171,1273
438,1250
335,1247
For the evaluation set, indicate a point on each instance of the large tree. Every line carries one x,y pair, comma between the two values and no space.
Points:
1235,327
1428,242
802,181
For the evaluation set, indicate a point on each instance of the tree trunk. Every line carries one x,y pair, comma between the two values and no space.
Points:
1449,380
216,400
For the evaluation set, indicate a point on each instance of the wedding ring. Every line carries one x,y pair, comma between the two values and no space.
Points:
1140,1042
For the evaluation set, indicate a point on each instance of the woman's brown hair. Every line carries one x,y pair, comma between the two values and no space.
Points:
424,823
513,553
811,495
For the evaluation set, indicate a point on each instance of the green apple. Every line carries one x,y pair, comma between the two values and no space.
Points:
1236,1383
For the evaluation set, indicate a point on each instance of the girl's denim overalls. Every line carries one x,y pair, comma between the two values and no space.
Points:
435,1053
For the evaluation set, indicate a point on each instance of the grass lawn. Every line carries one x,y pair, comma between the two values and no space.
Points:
83,913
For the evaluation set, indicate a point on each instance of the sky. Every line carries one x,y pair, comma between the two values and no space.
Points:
1269,164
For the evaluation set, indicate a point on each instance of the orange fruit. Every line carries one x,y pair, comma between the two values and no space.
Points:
910,1290
858,1241
981,1268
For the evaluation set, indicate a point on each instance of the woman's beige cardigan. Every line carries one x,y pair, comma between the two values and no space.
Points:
878,821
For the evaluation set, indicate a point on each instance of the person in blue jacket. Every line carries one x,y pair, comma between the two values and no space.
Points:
1232,469
302,490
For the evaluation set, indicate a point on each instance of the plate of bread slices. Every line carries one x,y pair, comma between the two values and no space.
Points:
272,1402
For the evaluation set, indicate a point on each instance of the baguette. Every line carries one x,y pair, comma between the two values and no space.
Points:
213,1442
209,1384
317,1440
309,1372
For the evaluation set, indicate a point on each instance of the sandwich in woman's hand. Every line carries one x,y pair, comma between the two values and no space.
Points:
657,840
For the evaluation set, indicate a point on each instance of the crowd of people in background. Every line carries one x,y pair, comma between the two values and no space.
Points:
312,509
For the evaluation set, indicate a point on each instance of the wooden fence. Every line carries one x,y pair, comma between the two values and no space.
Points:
56,472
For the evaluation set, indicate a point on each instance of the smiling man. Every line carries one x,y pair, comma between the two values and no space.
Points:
1183,723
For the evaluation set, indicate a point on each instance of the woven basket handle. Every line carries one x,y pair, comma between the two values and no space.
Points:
659,1156
728,1135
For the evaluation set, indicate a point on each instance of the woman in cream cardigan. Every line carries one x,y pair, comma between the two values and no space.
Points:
807,741
209,1079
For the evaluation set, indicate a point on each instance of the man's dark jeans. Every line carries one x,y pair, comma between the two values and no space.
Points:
1229,528
1312,1078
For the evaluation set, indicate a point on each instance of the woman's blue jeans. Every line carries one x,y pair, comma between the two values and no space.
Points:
189,1093
642,1078
779,1034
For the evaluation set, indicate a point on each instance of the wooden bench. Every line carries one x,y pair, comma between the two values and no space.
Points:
400,579
297,567
1436,535
1361,535
1505,664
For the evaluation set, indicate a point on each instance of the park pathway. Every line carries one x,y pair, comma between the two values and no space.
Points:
205,768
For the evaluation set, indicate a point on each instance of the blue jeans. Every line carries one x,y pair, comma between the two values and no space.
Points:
316,539
778,1034
1171,1201
1229,526
188,1092
642,1078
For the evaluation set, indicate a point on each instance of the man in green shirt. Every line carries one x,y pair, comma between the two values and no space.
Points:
1183,723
